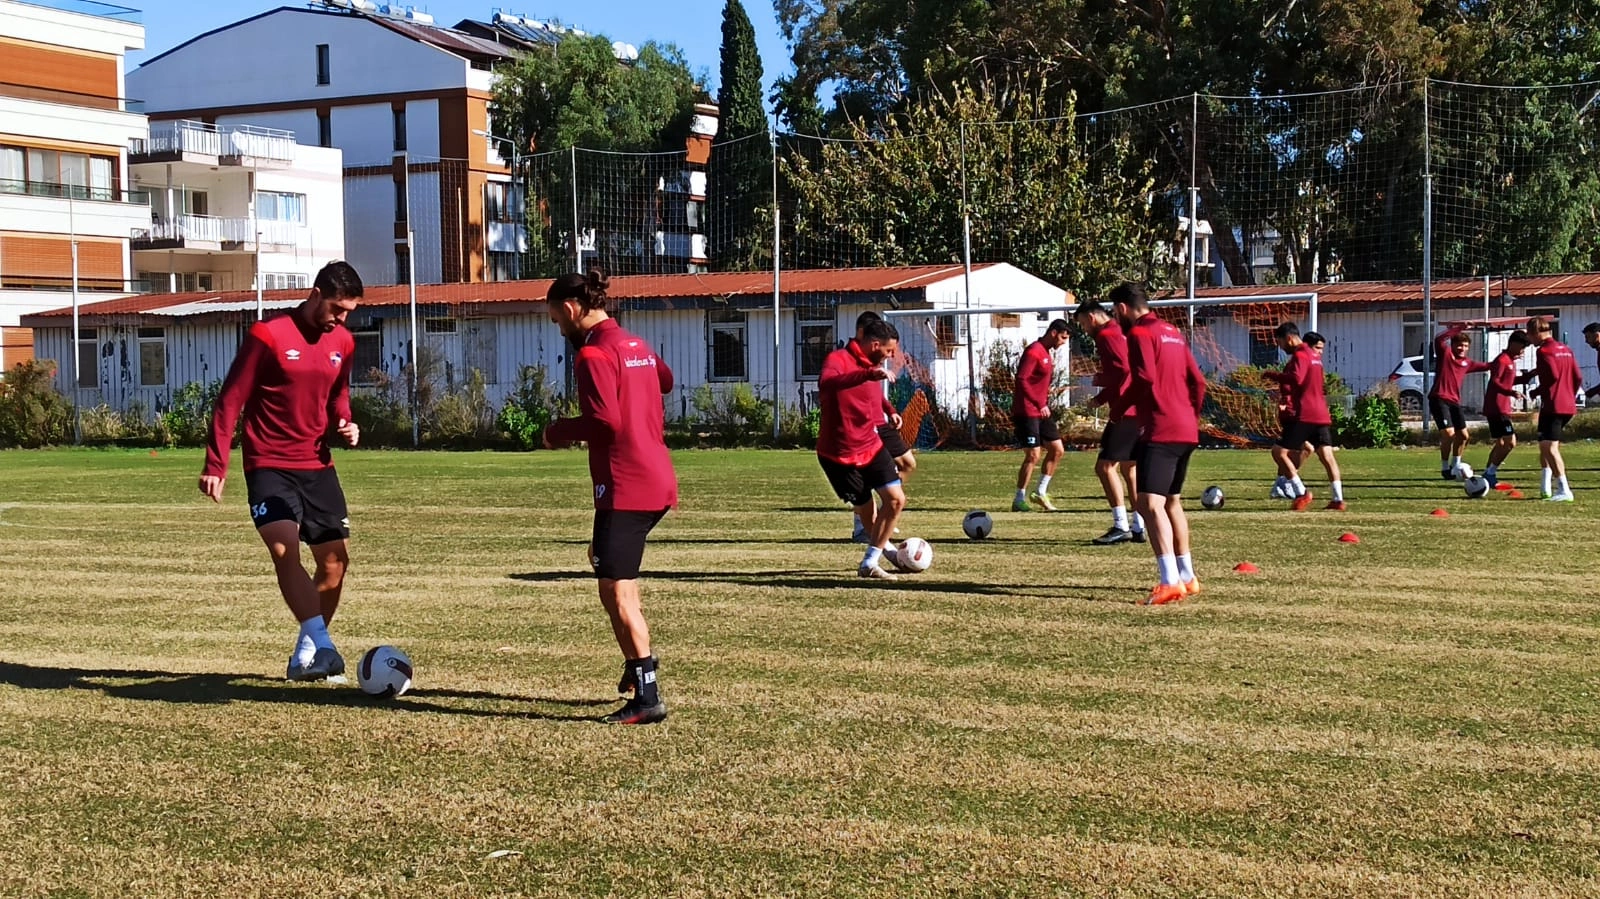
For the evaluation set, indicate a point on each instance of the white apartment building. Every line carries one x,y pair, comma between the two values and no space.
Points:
65,200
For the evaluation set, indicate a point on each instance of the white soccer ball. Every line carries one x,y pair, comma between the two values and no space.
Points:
915,554
1477,488
1464,472
384,671
1212,497
977,525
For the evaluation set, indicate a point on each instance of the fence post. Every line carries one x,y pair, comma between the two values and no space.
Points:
1194,197
777,310
1427,251
966,290
577,248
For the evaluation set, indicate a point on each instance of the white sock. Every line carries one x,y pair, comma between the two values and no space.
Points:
1138,523
1338,491
1167,569
872,557
1044,484
1119,518
1022,496
1544,480
1185,569
1298,485
1455,462
304,649
316,630
1563,482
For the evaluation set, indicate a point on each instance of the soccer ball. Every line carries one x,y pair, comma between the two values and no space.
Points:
915,554
977,524
1477,488
1464,472
1212,497
384,671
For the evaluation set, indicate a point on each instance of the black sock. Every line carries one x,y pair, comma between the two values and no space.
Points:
644,679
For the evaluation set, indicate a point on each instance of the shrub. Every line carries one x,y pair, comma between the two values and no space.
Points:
32,412
530,409
101,424
382,412
732,417
187,419
460,419
1375,421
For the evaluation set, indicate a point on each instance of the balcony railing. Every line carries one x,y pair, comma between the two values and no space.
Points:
91,8
69,98
74,192
218,230
235,141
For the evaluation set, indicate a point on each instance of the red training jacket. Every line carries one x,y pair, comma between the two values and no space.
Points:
620,385
1559,378
1304,392
1168,387
292,387
852,407
1502,384
1030,397
1115,380
1450,371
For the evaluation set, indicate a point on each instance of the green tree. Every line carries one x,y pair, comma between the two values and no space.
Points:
741,155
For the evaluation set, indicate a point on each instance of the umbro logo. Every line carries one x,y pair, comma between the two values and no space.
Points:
292,355
336,358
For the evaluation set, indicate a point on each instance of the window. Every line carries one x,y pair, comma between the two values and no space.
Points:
324,129
399,129
438,326
400,201
1413,334
1554,315
727,344
322,64
504,267
502,202
170,282
369,354
88,358
284,280
402,265
53,173
152,357
815,334
273,206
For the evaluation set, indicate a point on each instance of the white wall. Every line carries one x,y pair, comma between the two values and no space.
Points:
272,59
102,127
369,227
365,133
303,122
422,128
427,230
44,25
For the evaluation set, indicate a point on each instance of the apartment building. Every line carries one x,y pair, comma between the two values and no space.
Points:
67,209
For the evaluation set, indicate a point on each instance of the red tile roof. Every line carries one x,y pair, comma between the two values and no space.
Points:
1453,290
623,287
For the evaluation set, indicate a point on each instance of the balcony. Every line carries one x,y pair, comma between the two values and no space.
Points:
91,8
197,142
215,234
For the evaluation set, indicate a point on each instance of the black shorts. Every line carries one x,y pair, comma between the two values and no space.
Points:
854,483
618,545
1162,467
1551,424
1446,414
1119,442
1499,425
1297,434
313,499
1036,431
892,441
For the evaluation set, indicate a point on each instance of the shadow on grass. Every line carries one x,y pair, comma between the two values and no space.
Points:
814,580
218,689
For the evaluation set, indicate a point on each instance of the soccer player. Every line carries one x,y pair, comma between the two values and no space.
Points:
1497,395
905,461
1451,365
291,380
1168,389
1117,442
1559,380
1591,336
620,384
1305,418
849,449
1030,412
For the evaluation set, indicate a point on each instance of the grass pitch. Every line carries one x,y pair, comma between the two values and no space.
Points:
1415,714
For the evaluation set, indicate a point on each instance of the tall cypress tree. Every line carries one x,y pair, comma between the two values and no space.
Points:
741,156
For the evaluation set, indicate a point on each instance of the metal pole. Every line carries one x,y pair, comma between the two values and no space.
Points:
411,281
1427,250
255,224
966,290
577,248
777,311
77,398
1194,196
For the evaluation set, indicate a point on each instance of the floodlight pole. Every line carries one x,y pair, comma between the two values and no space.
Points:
1427,251
411,284
777,312
77,353
966,291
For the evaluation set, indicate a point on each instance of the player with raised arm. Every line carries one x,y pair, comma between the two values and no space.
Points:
1559,382
1168,389
620,383
1035,423
849,449
1306,420
1451,366
291,381
1115,464
1503,380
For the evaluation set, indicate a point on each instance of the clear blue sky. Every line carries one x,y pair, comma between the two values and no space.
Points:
694,25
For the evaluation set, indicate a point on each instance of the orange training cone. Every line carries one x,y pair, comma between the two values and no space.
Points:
1439,513
1348,537
1246,568
1504,486
1515,494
